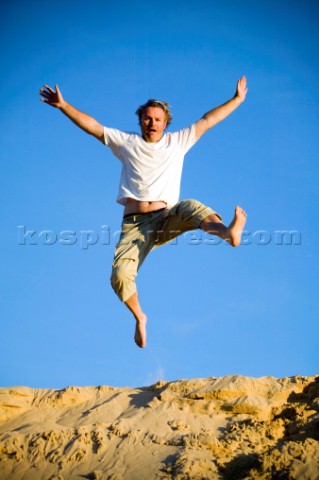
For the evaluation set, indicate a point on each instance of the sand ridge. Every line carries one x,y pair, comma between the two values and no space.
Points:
227,428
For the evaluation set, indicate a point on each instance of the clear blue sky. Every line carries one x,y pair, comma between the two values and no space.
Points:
212,310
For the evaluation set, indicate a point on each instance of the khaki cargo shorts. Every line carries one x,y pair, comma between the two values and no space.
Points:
142,233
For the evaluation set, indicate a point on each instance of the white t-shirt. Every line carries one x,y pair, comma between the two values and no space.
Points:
150,171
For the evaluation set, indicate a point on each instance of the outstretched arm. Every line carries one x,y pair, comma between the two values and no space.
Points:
82,120
216,115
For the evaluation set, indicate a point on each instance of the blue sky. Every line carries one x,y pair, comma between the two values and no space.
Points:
212,310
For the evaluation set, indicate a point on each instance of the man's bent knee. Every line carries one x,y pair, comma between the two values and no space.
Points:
122,282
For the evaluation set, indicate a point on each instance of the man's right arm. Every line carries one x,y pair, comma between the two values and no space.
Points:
216,115
82,120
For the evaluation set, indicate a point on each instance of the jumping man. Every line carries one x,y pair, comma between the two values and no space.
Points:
149,189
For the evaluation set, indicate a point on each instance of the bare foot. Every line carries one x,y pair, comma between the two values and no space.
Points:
236,227
140,332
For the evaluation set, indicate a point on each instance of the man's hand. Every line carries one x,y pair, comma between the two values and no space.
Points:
241,89
53,98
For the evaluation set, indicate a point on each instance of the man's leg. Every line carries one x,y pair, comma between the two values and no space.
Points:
173,226
135,244
134,306
232,234
123,282
190,214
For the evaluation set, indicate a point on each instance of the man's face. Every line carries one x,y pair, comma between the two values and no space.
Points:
153,123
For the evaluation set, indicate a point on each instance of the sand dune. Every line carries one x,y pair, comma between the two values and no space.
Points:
228,428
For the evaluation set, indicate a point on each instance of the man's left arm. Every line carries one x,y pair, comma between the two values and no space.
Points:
216,115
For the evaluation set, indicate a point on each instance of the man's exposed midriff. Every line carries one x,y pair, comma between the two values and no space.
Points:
137,206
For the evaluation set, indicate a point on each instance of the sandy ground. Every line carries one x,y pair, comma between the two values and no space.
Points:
229,428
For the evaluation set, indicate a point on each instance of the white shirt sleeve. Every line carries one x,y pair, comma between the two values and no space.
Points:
115,139
185,138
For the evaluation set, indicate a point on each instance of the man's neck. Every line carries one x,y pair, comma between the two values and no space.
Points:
151,139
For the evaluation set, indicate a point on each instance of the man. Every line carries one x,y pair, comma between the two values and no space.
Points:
149,187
